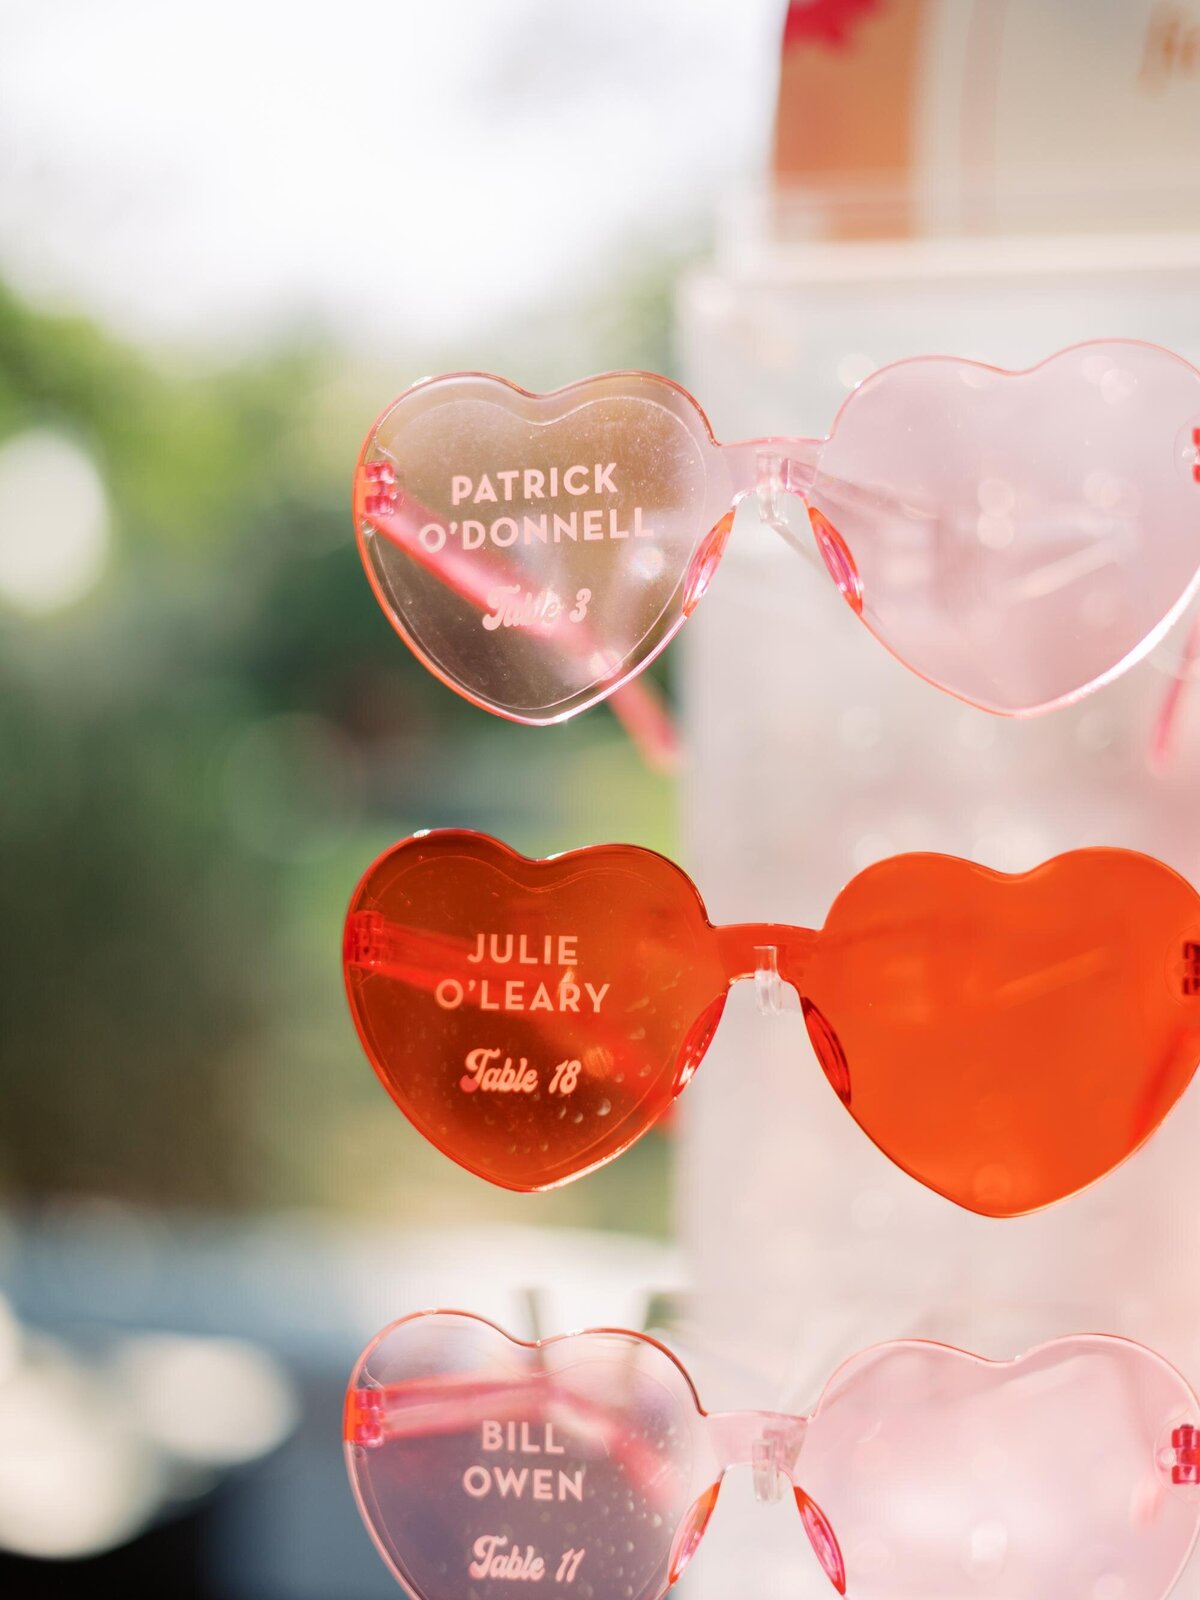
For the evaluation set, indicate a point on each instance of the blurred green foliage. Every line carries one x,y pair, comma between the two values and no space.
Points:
199,759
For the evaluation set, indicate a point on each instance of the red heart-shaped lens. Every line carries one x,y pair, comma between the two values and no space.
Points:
530,1018
1008,1040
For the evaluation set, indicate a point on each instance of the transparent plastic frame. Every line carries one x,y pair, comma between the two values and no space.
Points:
1005,1039
1015,538
586,1466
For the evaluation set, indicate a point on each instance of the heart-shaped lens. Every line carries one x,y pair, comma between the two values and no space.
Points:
946,1477
530,1018
535,550
1008,1040
1019,537
482,1465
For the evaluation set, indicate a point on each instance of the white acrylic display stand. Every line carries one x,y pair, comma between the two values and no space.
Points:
811,753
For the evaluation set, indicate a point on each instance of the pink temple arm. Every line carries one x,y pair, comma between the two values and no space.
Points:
415,955
434,1407
422,959
1167,722
638,705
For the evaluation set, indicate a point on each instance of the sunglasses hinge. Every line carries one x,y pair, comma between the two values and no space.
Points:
365,938
365,1418
1185,1445
383,501
1191,967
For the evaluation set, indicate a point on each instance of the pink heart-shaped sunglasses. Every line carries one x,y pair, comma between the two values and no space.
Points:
585,1466
1016,538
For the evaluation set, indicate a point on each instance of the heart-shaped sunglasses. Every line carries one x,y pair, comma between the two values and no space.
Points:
1016,538
1005,1039
586,1464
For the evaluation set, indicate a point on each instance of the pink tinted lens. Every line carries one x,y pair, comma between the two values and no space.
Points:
944,1476
484,1467
535,550
1019,536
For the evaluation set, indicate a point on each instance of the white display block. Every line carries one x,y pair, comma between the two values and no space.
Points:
811,752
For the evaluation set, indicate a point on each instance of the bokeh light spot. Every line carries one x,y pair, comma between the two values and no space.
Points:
54,521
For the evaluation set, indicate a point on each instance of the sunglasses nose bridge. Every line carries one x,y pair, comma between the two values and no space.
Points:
768,1442
772,953
770,469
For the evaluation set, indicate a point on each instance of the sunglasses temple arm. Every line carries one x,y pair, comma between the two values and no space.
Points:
772,468
637,705
642,710
425,961
410,955
437,1407
1167,721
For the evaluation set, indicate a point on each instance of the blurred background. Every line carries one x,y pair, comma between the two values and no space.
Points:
229,235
